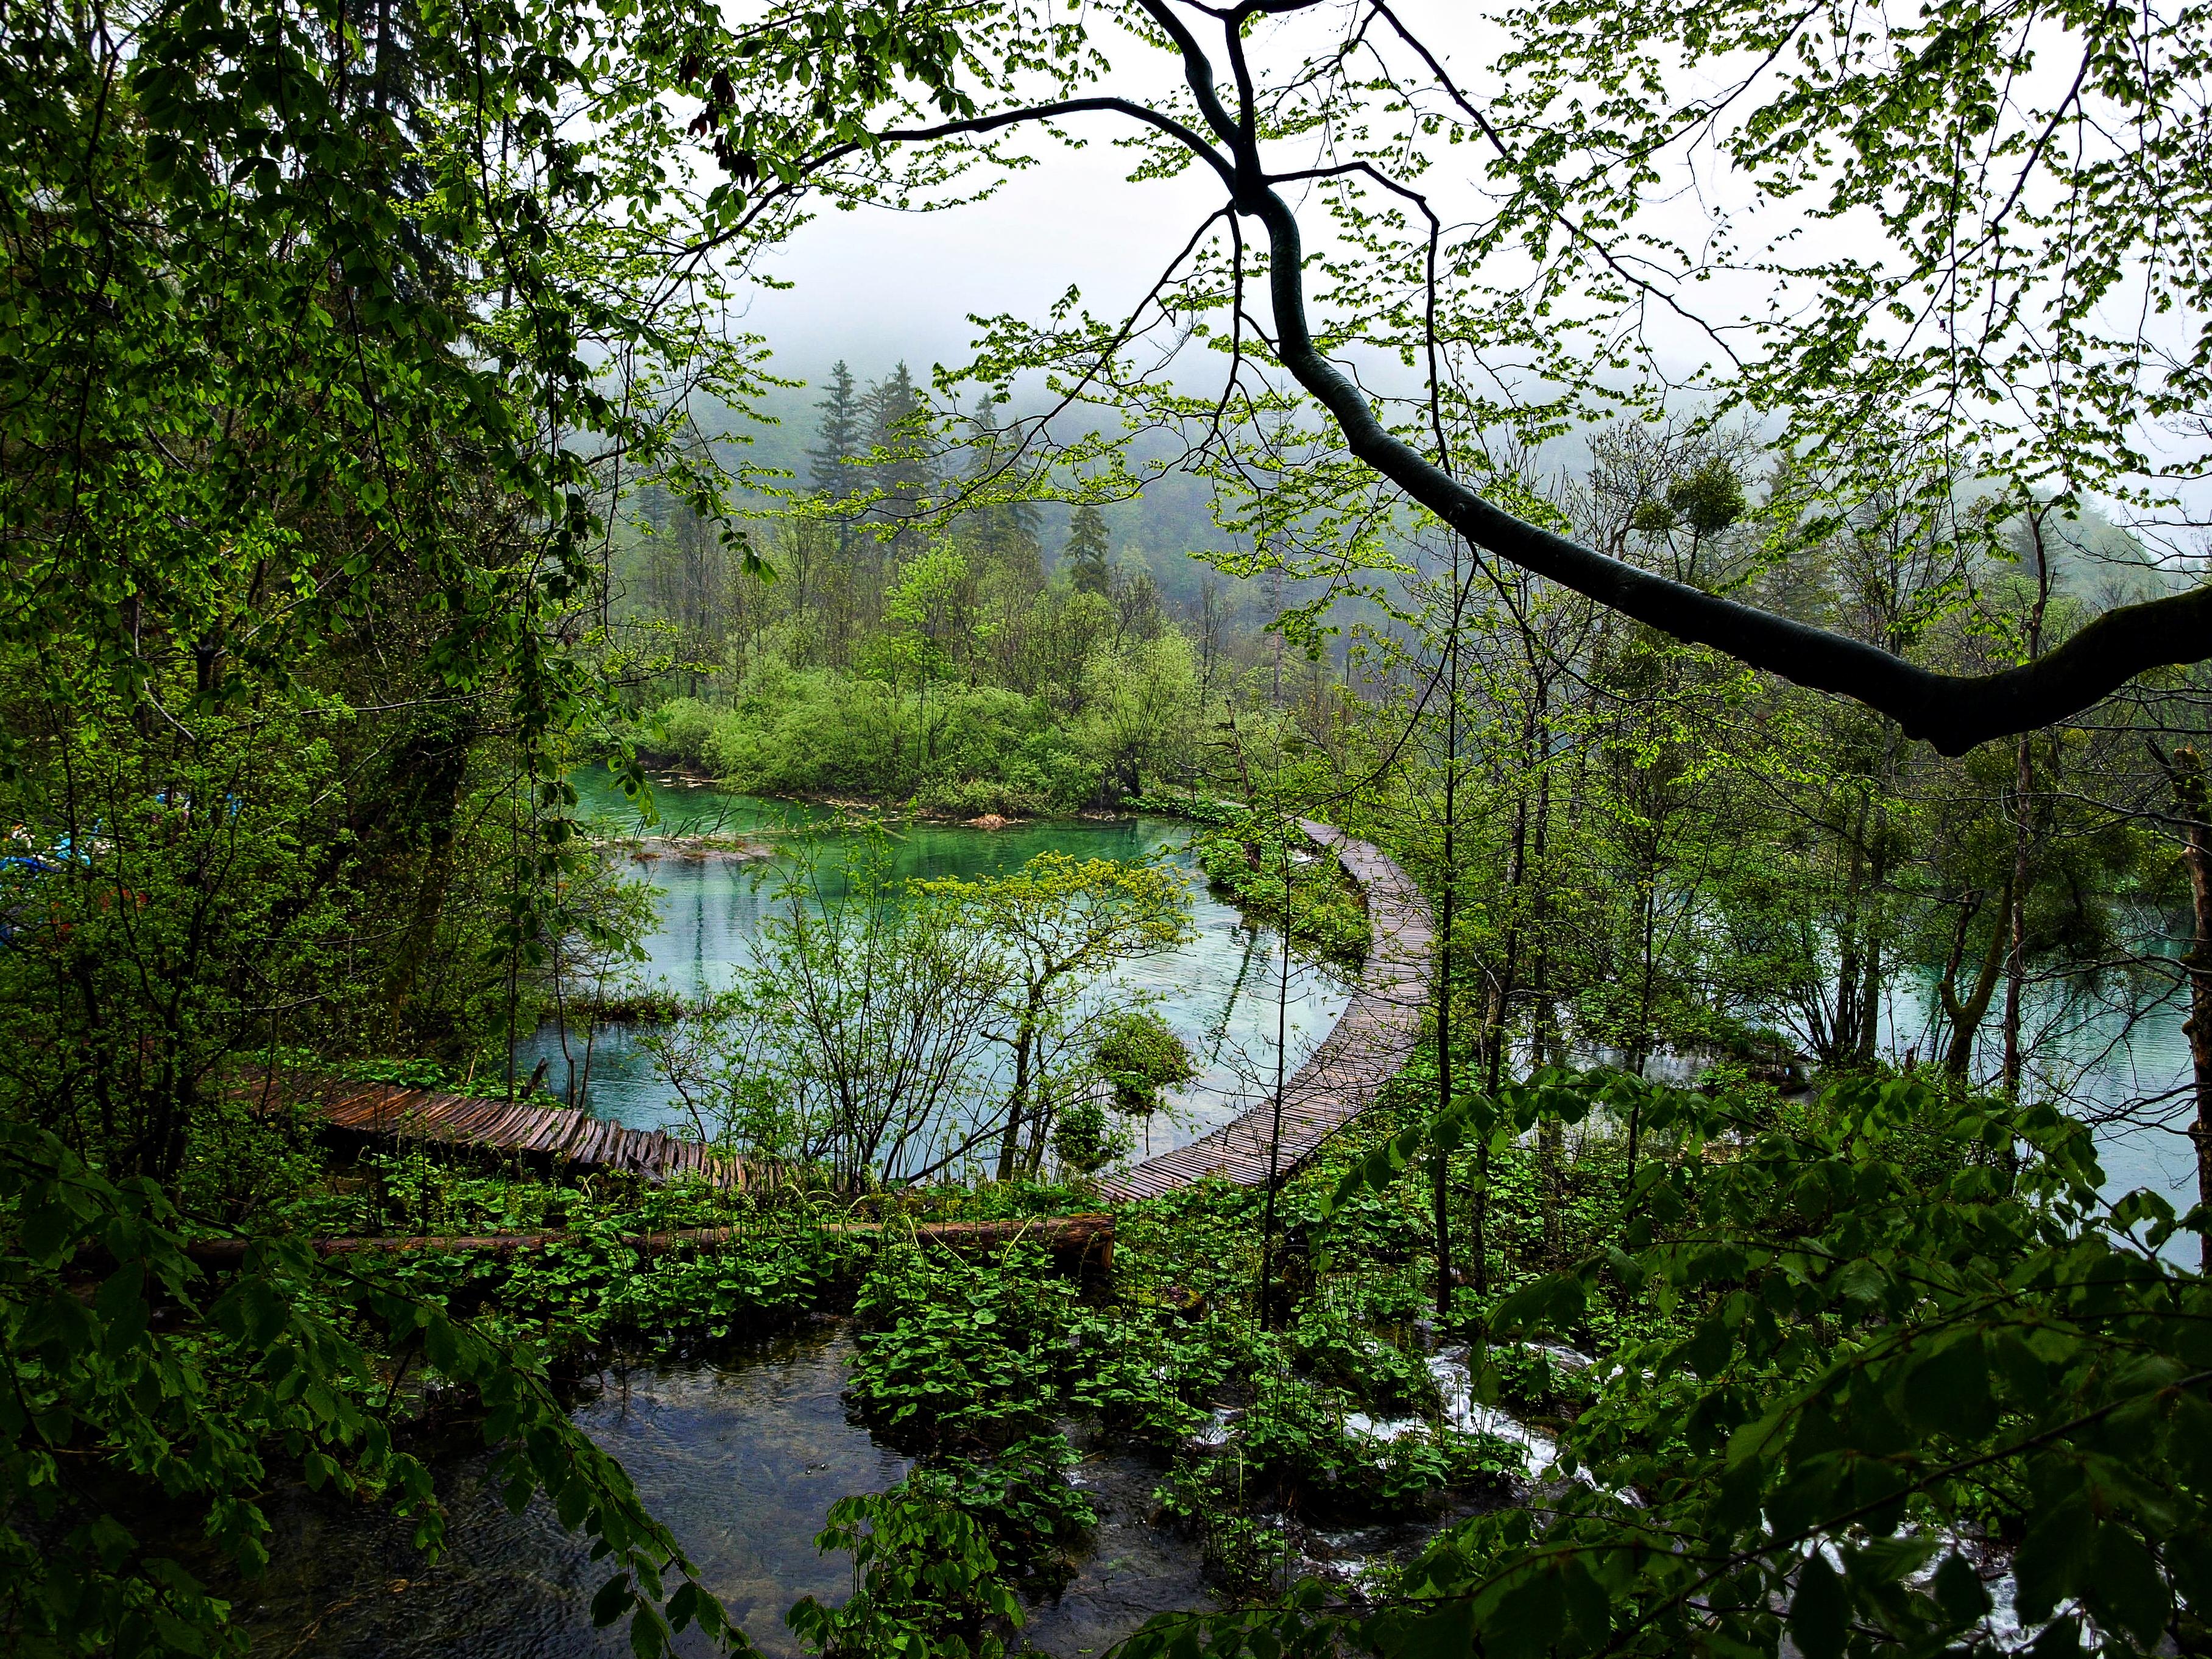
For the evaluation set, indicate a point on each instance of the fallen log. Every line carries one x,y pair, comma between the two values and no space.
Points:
1082,1241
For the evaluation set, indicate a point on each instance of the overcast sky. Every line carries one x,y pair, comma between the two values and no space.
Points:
872,284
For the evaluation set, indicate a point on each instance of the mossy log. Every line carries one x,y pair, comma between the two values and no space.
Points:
1078,1243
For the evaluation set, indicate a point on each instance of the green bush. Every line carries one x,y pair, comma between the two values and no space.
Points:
1381,1379
1317,903
1021,1499
959,750
926,1583
1141,1056
956,1356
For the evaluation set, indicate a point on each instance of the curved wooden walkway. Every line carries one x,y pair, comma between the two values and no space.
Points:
1369,1045
548,1136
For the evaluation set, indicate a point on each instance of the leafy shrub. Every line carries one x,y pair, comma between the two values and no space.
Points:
1381,1379
1528,1373
953,1355
964,749
1147,1379
1293,1449
1082,1138
1140,1055
1199,808
926,1582
1021,1499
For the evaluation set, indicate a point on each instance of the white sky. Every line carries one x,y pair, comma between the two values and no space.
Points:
872,285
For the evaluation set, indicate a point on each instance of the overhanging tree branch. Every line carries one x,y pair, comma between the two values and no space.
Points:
1952,712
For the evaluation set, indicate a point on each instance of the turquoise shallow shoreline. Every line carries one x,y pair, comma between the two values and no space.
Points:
1218,992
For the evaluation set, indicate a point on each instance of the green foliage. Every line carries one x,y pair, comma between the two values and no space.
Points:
1375,1376
1199,808
854,1052
966,1364
1085,555
1021,1499
1140,1055
1901,1320
952,1355
1084,1139
1062,924
925,1584
116,1350
1276,872
813,731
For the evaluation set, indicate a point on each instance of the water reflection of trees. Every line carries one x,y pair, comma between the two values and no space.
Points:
888,1030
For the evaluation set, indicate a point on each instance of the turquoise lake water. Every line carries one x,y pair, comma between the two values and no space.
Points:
1219,991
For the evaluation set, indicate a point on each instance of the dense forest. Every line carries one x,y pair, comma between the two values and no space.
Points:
1651,852
1489,926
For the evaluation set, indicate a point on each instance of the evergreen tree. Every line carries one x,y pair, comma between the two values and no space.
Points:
899,465
1002,532
1086,554
838,437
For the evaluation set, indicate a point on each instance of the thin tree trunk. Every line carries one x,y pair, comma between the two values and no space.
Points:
1869,1013
2023,784
1009,1141
1275,1130
1843,1030
1441,1194
2016,922
1509,968
2196,857
1966,1016
1449,920
1544,1023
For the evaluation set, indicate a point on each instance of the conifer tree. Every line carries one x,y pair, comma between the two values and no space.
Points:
838,437
899,465
1086,554
1003,533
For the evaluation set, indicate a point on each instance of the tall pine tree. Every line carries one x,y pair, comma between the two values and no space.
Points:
1002,530
1086,554
838,440
899,466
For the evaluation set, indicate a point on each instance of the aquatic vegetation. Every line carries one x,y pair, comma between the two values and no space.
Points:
1280,875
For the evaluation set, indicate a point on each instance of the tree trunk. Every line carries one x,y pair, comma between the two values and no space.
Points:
1966,1016
1449,919
2196,857
1441,1194
1016,1105
1269,1320
2017,923
2023,784
1869,1013
1544,1021
1843,1028
1509,968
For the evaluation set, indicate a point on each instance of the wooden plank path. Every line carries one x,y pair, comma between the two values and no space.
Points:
1369,1045
552,1136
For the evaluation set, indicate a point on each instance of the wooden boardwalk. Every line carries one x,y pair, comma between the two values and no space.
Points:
548,1136
1369,1045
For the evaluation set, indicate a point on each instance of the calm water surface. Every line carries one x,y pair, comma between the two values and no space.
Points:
741,1459
1219,991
